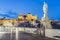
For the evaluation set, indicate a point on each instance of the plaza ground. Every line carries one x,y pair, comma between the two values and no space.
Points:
51,34
23,36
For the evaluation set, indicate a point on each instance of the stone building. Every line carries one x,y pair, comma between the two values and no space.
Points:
21,18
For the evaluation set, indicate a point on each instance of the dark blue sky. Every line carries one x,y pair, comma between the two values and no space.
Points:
12,8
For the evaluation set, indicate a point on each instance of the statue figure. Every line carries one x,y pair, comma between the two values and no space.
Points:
45,19
45,8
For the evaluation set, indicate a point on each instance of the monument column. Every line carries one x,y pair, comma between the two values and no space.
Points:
45,21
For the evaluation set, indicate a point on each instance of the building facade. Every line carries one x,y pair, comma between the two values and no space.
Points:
21,18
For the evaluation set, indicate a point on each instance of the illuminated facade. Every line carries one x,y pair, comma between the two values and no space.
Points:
21,18
28,17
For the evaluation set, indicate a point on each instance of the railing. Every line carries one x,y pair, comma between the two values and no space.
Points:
10,30
16,30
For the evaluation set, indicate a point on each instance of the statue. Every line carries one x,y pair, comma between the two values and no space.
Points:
45,19
45,7
45,10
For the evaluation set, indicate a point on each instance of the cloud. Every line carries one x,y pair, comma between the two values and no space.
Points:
12,15
11,12
8,14
1,16
8,18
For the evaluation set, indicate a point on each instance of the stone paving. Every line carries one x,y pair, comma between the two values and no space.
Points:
23,36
